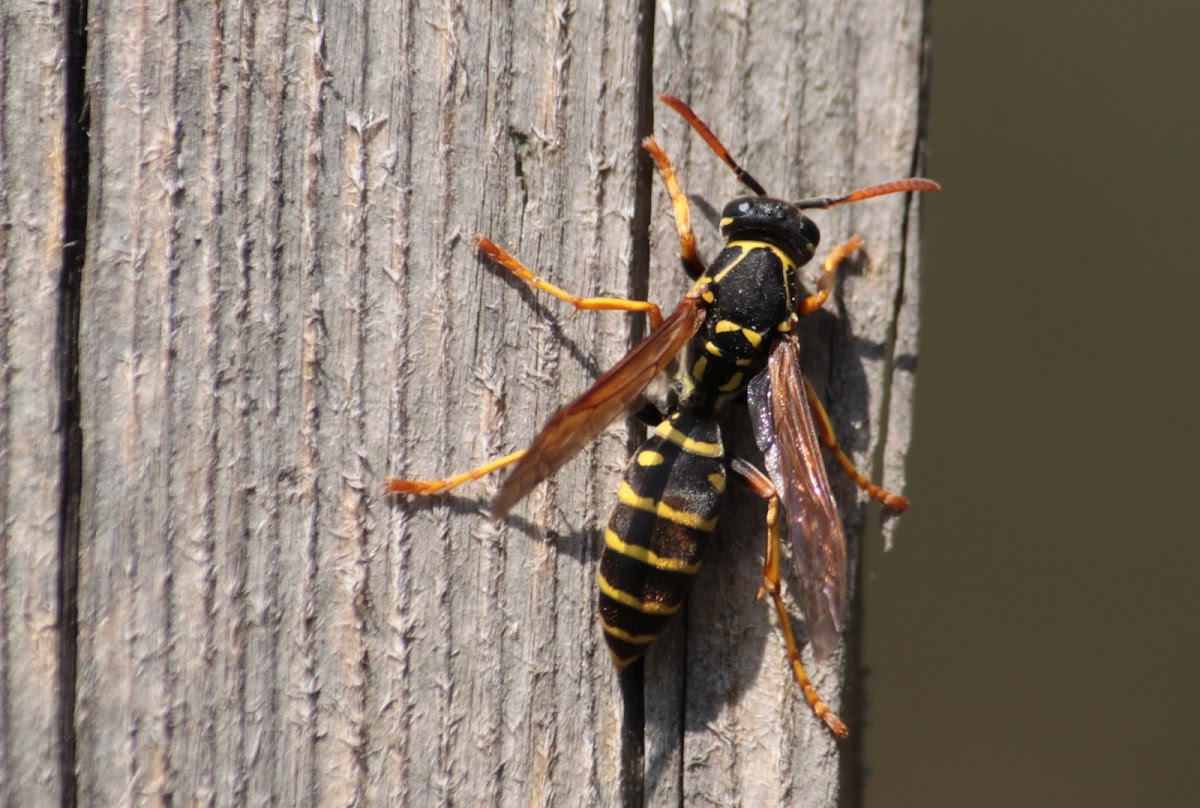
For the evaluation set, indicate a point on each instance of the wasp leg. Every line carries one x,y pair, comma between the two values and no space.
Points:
825,285
683,215
829,441
771,585
648,414
506,260
427,487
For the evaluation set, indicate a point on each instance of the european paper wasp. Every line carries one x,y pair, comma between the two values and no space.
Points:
736,328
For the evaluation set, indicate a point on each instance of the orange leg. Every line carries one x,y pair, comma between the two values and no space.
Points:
829,441
506,260
825,285
771,585
428,487
683,214
395,485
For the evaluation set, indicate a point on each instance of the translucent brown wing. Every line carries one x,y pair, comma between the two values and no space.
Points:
576,424
783,427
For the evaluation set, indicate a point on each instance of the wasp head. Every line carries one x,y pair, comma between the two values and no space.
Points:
775,221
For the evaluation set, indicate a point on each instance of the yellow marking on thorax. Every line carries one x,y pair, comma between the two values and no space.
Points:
712,349
786,264
666,431
614,542
727,326
741,245
628,496
699,367
633,602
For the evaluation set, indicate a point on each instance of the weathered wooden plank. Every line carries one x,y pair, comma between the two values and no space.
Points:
197,591
33,205
281,306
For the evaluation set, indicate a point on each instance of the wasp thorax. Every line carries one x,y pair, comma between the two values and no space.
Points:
772,220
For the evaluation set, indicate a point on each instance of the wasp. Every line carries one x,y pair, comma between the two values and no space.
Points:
736,329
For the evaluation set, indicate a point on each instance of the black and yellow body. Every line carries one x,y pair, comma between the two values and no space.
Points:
668,503
733,330
666,511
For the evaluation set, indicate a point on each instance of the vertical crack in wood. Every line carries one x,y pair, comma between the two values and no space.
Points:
75,199
75,233
633,726
643,126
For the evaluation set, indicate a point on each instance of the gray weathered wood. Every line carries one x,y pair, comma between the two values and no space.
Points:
32,221
281,306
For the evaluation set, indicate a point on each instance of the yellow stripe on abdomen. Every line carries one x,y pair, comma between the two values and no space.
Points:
625,636
634,602
618,545
627,495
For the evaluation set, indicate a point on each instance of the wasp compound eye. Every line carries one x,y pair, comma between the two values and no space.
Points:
808,229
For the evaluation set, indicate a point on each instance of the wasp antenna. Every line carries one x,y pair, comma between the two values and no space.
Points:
702,129
894,187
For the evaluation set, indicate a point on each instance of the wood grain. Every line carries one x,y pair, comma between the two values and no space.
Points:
280,306
33,213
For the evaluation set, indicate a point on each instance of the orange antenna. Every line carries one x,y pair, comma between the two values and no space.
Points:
702,129
894,187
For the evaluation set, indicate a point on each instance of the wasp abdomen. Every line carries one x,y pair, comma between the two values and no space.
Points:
666,510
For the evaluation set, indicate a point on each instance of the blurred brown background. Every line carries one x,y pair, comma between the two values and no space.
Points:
1032,639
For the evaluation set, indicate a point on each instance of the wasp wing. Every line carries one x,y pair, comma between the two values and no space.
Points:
783,428
576,424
